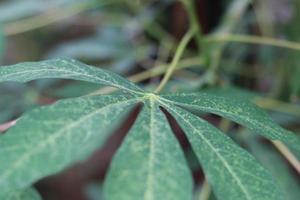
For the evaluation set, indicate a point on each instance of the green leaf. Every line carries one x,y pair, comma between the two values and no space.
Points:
149,164
111,44
277,165
232,91
233,172
14,10
240,111
47,139
26,194
65,69
76,89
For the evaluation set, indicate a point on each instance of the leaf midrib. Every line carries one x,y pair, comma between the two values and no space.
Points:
212,110
227,166
148,193
52,138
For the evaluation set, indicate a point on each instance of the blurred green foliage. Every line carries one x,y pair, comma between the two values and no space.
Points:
130,37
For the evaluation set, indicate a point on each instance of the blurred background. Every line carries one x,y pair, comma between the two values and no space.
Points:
136,39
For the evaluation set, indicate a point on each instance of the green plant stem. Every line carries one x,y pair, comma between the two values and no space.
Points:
228,24
225,125
205,191
7,125
279,106
190,9
291,158
181,47
161,69
264,102
252,40
156,31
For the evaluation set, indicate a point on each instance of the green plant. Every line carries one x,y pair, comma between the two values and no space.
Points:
150,164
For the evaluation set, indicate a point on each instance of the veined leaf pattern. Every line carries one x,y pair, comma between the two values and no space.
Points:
48,139
150,163
233,172
65,69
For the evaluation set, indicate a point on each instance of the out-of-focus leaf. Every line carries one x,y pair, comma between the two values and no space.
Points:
104,44
229,22
12,10
283,118
15,99
2,44
26,194
109,44
17,9
295,81
290,65
7,103
277,166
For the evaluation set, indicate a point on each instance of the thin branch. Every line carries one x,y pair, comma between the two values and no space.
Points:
291,158
7,125
180,49
161,69
194,24
153,72
231,18
253,40
205,191
278,106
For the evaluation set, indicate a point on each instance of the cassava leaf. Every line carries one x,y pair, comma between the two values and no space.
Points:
14,9
149,164
108,43
47,139
240,111
230,91
277,165
64,69
26,194
76,89
233,172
